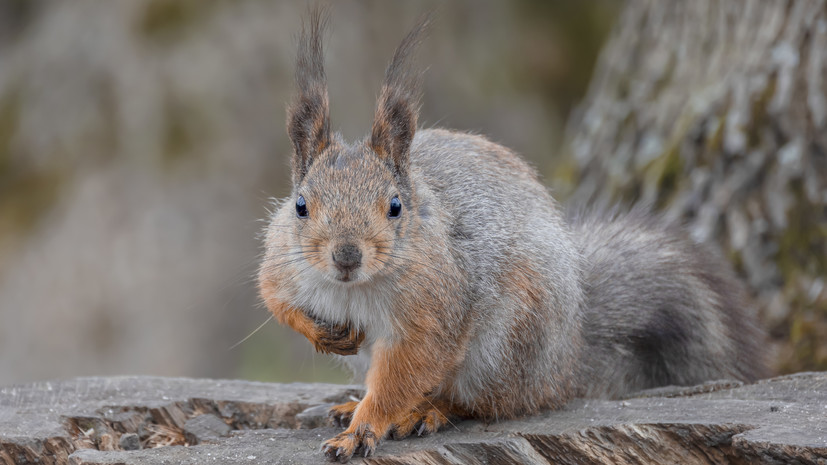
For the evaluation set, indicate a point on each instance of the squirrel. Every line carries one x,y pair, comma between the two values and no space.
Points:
448,276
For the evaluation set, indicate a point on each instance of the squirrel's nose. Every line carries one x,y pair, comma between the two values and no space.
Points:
347,257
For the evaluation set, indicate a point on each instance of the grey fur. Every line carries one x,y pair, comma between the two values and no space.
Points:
634,301
499,218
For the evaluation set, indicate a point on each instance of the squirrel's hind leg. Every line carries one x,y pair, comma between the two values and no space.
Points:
426,419
342,414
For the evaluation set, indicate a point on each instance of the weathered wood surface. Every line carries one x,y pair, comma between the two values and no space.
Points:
190,421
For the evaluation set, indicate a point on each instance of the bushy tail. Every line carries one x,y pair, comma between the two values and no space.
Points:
660,308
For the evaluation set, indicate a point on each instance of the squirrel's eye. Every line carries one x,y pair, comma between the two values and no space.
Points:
396,207
301,207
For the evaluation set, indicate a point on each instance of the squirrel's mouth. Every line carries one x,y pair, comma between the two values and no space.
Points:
346,276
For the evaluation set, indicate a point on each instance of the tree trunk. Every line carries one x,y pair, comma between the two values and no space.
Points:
714,112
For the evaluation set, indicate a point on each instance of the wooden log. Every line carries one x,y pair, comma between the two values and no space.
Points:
194,421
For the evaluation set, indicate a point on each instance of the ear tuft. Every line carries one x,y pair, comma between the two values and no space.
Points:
308,117
397,110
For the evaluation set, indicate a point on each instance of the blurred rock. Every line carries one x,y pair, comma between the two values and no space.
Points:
314,417
130,441
205,428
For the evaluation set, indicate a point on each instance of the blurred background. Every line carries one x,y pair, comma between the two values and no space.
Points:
141,141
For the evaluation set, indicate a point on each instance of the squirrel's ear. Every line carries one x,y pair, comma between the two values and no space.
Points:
394,124
308,117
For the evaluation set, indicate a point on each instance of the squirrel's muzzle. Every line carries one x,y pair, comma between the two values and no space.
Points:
347,258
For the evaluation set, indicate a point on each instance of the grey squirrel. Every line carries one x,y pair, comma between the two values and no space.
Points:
437,263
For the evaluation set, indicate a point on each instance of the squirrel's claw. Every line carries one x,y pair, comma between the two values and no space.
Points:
336,453
421,422
342,447
333,453
368,449
342,414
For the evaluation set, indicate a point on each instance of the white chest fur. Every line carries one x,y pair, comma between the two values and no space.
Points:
367,306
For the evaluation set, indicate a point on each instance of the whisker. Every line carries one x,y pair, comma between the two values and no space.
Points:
251,334
420,264
287,254
304,269
293,227
387,226
443,414
276,266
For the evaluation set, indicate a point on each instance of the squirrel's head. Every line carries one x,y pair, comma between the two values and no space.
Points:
353,202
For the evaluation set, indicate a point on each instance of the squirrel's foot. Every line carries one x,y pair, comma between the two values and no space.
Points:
342,447
342,413
337,339
421,421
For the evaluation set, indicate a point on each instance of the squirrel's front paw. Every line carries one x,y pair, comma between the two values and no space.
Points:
337,339
342,447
